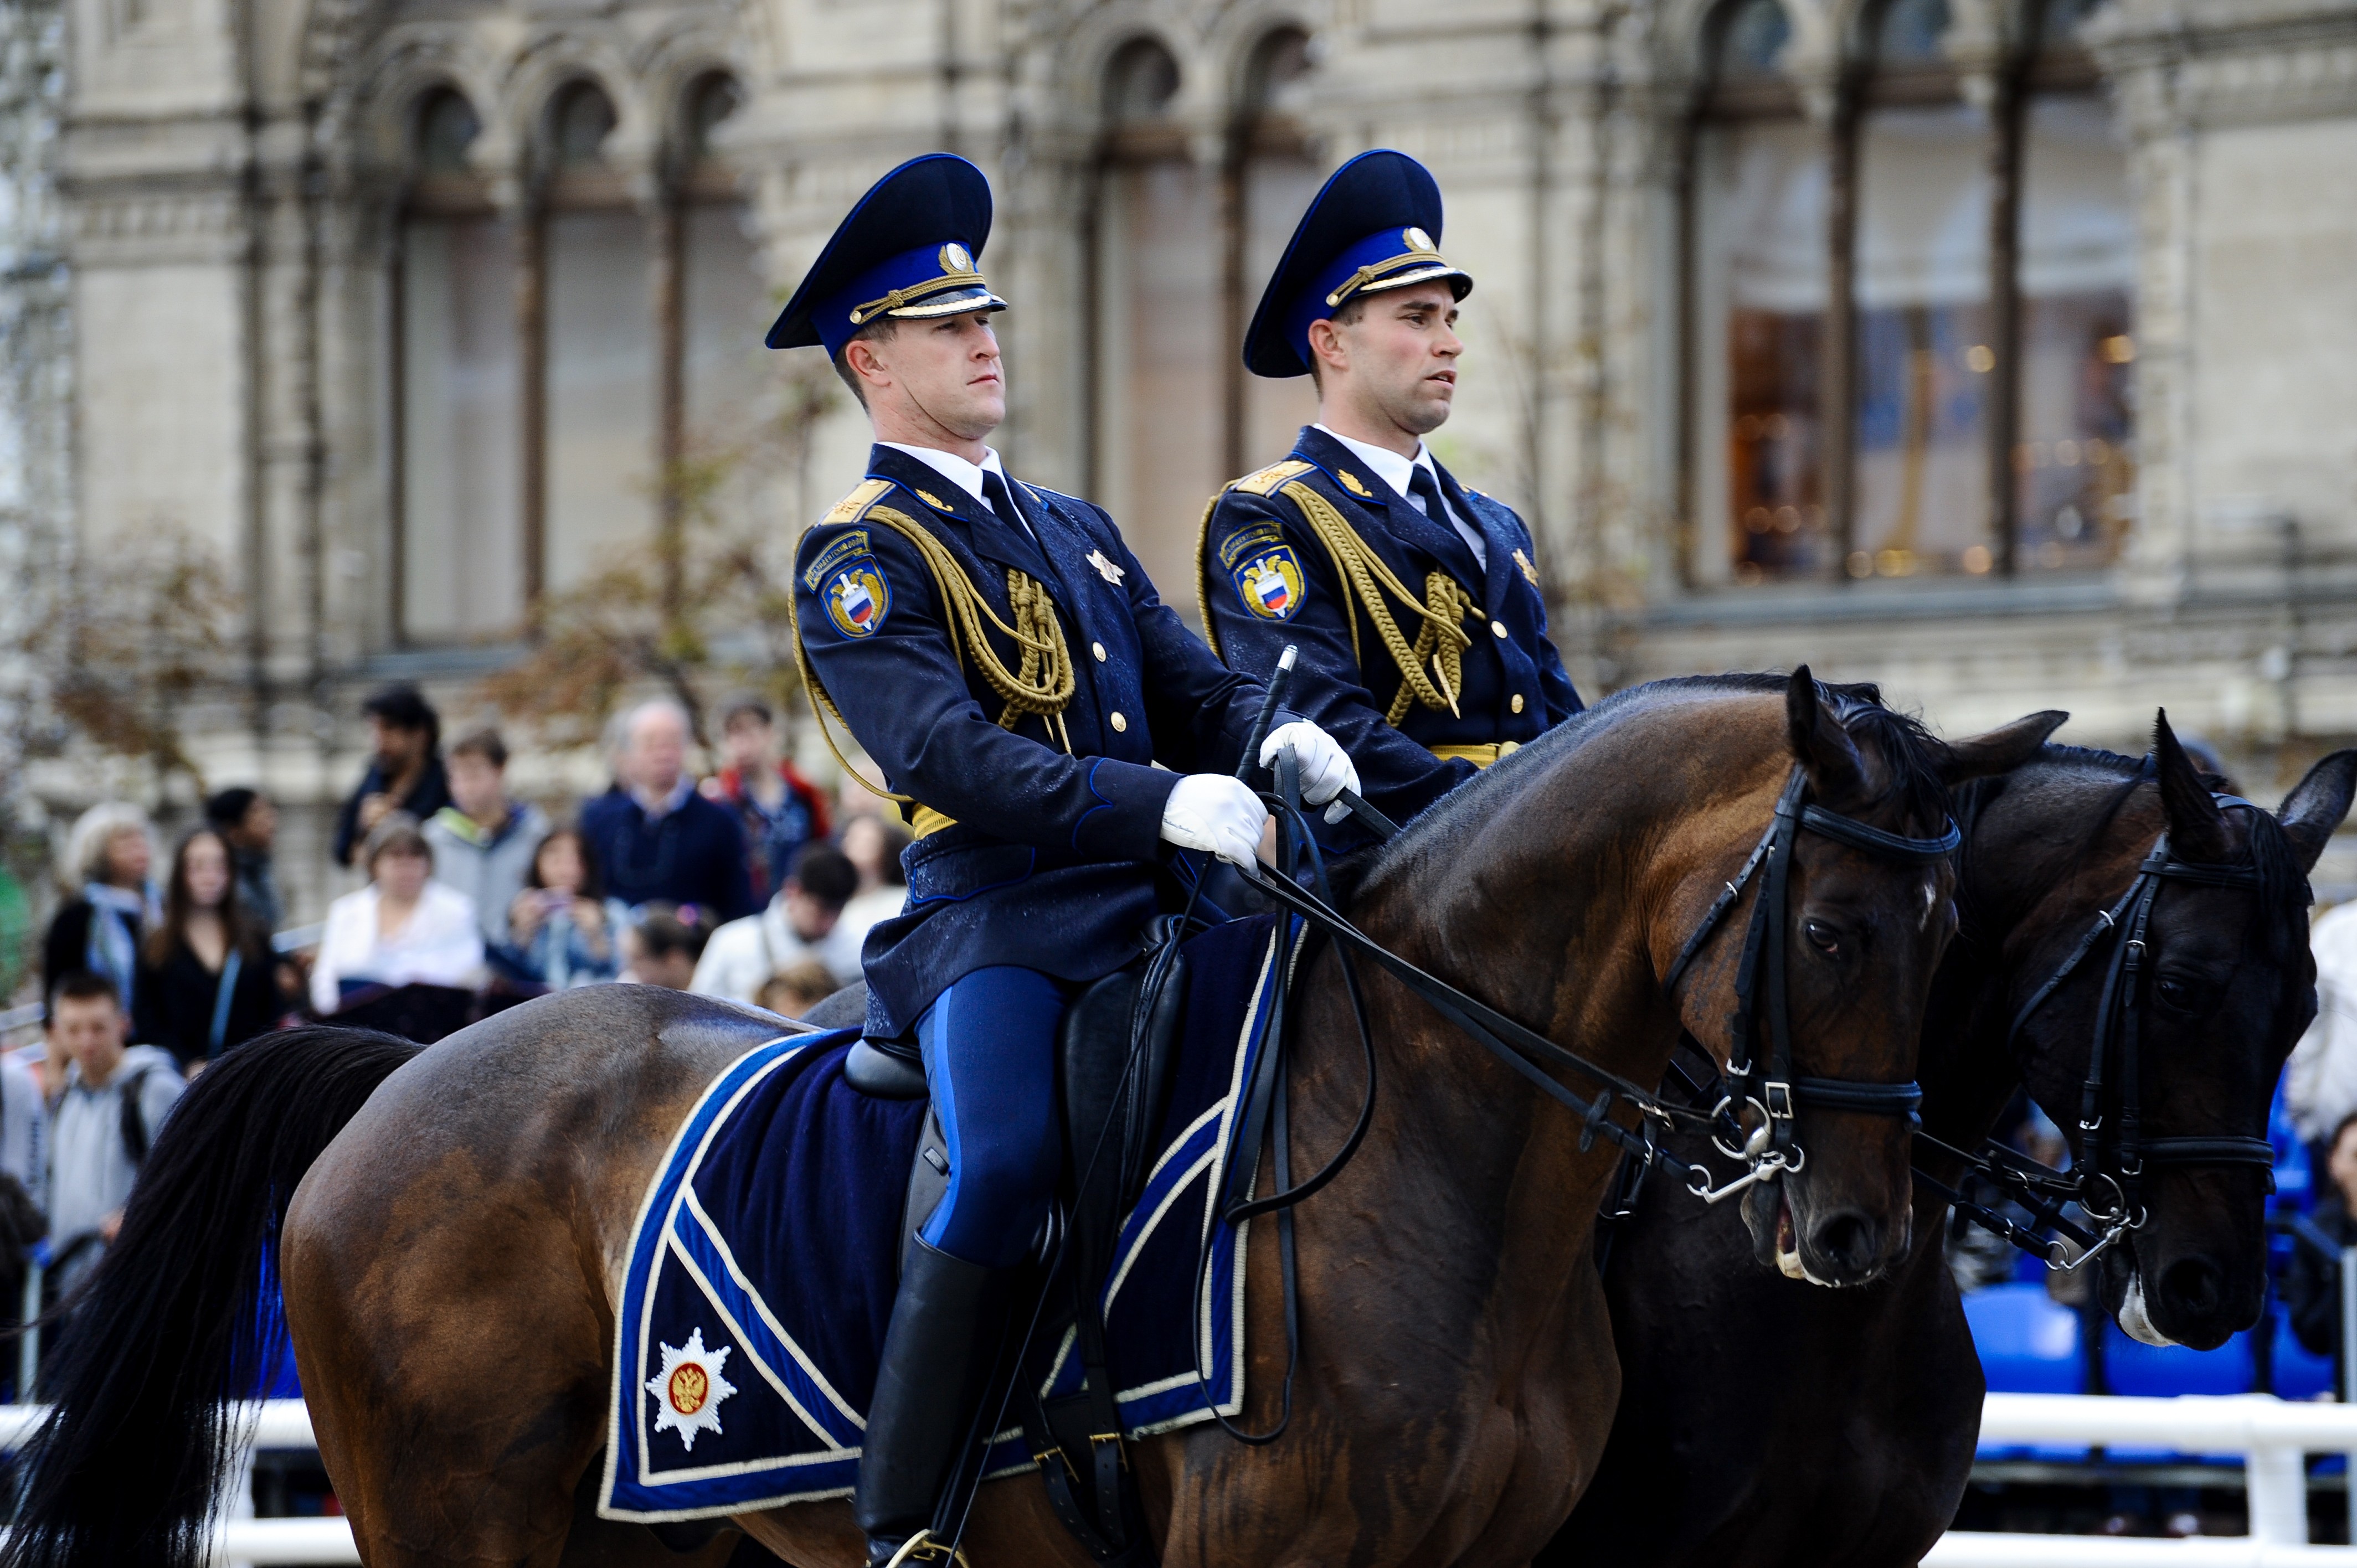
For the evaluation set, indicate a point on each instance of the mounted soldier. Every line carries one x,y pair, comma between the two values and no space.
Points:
1002,656
1415,601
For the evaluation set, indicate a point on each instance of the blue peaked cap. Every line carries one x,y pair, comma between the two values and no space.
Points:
1373,227
912,249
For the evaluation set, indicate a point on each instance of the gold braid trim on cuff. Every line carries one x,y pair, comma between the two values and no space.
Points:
1042,682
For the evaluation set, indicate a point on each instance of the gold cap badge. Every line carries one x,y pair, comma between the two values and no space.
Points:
1417,240
955,258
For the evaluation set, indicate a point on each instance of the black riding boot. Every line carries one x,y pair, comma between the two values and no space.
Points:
937,1356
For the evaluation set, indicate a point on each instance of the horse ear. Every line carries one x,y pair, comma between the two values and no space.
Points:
2001,750
2316,806
2197,828
1819,743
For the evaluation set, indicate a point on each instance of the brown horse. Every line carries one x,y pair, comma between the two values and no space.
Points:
452,1255
1763,1423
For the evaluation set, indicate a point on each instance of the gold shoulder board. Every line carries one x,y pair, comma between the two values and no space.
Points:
1266,482
861,497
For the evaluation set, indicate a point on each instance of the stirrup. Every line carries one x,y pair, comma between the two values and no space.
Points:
923,1548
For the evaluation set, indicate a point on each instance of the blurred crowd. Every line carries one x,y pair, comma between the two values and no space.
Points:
748,885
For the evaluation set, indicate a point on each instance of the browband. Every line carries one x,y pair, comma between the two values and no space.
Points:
1890,846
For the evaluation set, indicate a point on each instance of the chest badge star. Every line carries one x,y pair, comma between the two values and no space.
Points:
1106,569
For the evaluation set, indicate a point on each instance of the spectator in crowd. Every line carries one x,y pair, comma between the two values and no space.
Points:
795,990
2311,1286
778,809
109,903
483,841
563,931
114,1100
248,822
661,945
206,979
803,921
873,847
402,929
656,839
405,770
2321,1090
24,1102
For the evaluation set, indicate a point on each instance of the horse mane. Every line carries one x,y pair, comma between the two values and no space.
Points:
2283,887
1908,752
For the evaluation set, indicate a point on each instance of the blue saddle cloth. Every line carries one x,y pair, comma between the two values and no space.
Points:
766,1254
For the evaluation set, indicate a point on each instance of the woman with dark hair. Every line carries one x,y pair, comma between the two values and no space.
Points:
562,929
205,972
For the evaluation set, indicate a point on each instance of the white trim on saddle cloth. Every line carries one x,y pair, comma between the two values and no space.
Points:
672,1231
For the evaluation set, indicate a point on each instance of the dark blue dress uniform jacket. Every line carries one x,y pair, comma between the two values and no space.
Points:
1054,859
1397,772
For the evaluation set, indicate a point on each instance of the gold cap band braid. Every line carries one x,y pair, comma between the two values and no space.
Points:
1378,277
900,301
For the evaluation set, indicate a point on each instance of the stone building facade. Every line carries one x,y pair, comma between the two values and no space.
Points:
2001,350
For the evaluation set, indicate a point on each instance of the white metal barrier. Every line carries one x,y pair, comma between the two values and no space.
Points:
276,1423
2273,1437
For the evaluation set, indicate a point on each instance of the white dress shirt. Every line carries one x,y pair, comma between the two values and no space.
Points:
1394,470
965,476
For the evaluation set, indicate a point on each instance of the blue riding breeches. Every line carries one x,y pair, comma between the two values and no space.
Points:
989,1044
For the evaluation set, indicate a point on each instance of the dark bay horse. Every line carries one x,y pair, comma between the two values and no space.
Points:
451,1255
1762,1422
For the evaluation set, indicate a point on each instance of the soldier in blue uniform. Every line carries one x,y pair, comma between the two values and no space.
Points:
1414,601
1002,656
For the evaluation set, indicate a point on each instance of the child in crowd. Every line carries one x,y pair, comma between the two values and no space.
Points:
562,930
661,943
796,989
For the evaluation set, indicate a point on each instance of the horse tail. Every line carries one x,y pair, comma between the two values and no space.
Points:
181,1313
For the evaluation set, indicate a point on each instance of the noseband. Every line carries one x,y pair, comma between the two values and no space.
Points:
2107,1183
1768,1085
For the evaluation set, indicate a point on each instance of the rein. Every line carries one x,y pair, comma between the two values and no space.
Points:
2108,1186
1768,1084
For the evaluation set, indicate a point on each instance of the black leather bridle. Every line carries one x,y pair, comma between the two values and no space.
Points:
1768,1085
2106,1182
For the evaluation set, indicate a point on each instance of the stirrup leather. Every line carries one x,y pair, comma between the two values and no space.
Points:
923,1548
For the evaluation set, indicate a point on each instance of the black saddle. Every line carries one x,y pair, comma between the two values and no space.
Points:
1116,1048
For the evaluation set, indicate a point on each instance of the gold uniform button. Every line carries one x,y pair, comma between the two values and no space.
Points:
1119,724
1097,649
1498,628
1518,702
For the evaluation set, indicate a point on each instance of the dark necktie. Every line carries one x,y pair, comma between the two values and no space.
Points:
994,490
1426,488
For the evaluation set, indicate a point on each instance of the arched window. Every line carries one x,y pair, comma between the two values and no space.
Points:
1759,266
459,538
724,310
598,450
2074,454
1159,263
1922,308
1273,178
1950,270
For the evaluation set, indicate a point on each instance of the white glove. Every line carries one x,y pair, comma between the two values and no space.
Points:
1215,812
1326,770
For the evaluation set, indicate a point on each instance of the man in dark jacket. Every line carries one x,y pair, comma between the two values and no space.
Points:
404,766
1000,654
656,840
1414,600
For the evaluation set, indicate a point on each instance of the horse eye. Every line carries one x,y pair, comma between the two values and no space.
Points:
1826,939
2176,993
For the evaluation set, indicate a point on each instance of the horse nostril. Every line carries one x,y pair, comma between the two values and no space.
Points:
2194,1286
1847,1240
